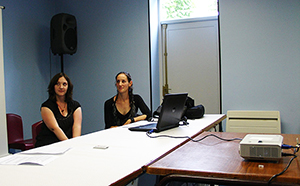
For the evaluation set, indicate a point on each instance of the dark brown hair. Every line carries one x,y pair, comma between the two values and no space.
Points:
130,89
53,82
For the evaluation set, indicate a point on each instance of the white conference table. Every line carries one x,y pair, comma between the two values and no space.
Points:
122,161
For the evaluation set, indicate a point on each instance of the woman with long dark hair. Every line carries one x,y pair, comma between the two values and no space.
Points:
122,108
62,116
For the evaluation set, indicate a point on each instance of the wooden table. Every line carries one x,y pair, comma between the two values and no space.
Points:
218,162
206,123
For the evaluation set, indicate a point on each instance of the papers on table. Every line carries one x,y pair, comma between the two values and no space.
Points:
18,159
38,156
139,123
47,150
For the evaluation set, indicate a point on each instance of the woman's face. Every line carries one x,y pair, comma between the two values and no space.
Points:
122,83
61,86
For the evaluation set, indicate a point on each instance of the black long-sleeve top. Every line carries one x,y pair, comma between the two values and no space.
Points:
114,118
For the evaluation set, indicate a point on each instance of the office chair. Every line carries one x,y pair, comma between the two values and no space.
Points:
36,128
253,121
15,133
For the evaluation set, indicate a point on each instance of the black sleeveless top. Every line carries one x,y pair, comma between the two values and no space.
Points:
46,136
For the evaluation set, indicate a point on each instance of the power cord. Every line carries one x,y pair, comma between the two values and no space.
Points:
176,137
288,165
184,121
284,146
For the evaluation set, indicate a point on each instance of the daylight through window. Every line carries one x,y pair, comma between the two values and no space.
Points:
182,9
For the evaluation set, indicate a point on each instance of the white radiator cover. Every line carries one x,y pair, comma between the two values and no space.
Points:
253,121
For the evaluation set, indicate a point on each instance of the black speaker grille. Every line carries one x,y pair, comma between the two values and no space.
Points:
71,39
63,34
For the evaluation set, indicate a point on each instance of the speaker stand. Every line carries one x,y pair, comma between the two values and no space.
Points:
62,62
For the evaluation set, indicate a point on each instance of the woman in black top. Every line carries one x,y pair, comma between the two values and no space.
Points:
122,108
62,116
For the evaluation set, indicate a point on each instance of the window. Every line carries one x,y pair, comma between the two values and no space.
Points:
182,9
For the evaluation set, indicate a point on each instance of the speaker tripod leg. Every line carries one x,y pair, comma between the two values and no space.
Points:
62,62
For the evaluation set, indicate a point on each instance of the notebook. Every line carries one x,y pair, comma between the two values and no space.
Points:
171,113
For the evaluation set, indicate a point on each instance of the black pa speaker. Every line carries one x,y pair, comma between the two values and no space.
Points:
63,34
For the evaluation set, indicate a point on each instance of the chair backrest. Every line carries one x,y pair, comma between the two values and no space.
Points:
14,128
253,121
36,128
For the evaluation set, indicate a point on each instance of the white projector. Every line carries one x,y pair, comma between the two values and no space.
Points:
261,147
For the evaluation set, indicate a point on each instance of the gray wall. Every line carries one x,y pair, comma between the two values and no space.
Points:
260,57
112,37
26,44
154,44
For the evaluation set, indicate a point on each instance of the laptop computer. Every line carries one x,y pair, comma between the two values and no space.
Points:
171,113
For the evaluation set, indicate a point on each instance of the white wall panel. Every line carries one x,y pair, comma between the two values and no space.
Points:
260,52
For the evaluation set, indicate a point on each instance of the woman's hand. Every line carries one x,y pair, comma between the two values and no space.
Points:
127,122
